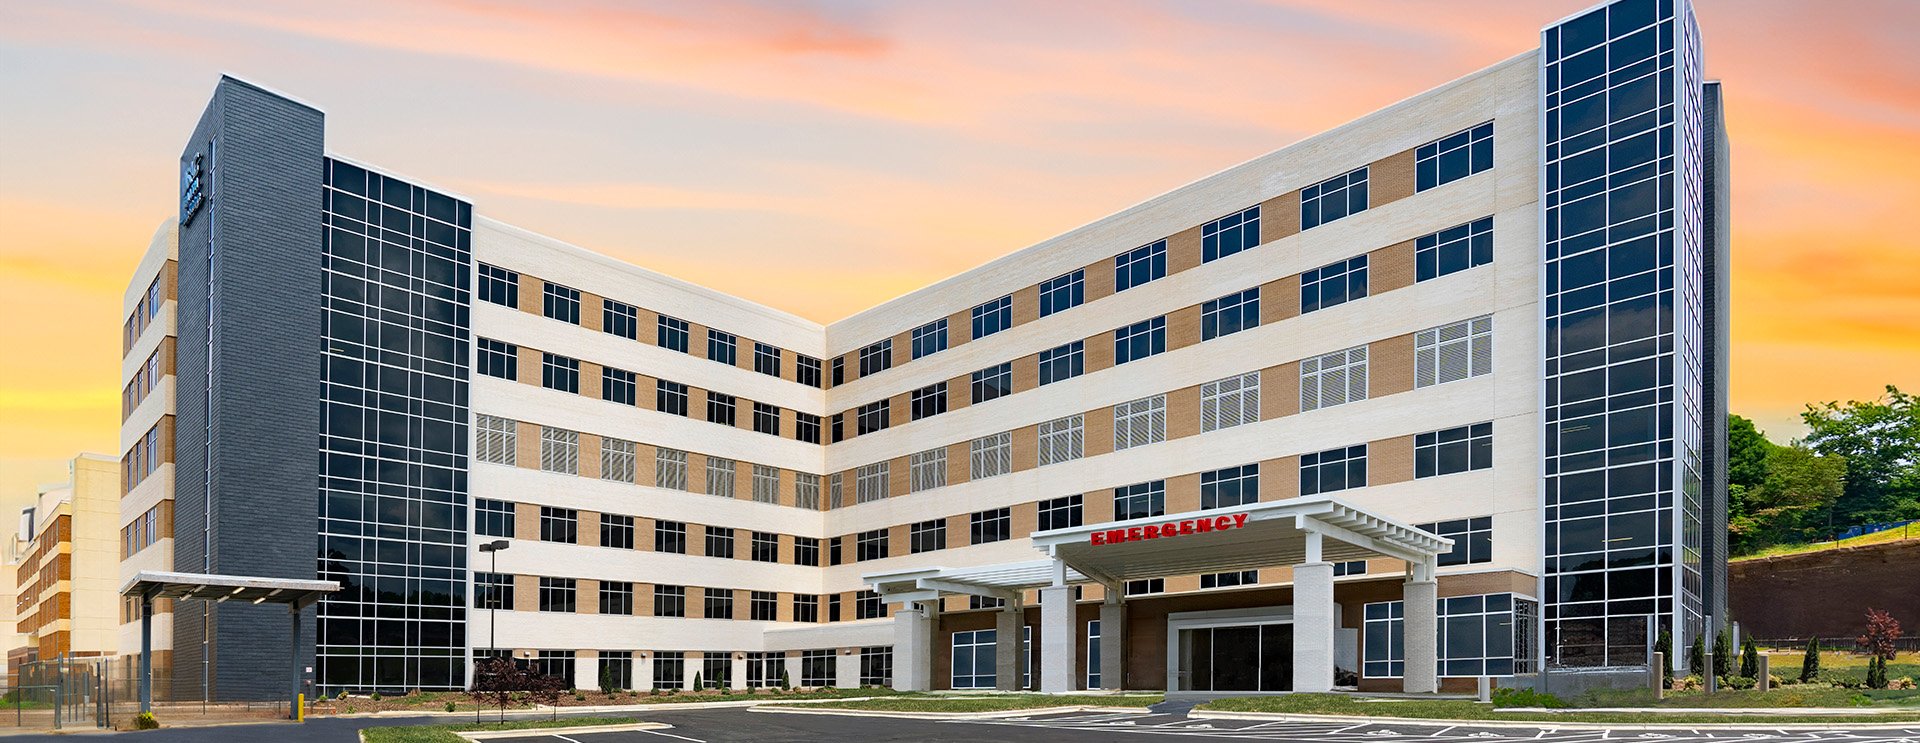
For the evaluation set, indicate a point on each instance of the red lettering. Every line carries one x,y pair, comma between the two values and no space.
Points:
1204,525
1223,523
1186,527
1239,520
1116,536
1133,533
1098,537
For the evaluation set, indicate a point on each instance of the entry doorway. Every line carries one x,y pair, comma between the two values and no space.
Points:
1252,657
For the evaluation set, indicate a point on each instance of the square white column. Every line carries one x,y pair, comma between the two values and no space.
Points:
792,666
1420,636
738,665
912,649
1057,641
1313,625
1113,644
1006,648
846,668
643,671
690,668
586,669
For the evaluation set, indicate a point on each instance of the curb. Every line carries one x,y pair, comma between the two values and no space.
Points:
988,715
597,709
542,732
1759,721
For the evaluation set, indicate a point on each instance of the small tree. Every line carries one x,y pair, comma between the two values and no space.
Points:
1750,660
696,682
1882,631
1723,653
1876,672
606,679
785,683
1665,646
496,680
1697,656
1810,663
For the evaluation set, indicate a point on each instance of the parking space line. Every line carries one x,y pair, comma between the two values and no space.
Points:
671,735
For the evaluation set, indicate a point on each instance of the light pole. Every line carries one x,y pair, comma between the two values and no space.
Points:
492,549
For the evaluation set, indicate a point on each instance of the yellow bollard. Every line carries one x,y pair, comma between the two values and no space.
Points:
300,708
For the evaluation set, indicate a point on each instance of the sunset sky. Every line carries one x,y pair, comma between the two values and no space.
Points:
821,157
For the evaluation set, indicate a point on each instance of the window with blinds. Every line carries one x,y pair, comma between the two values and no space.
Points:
927,469
870,483
1140,422
990,456
670,469
806,491
1225,403
560,450
1337,378
616,460
1453,352
493,439
720,477
766,484
1062,439
836,490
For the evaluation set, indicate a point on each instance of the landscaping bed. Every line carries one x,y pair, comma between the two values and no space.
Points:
989,703
436,701
447,733
1466,709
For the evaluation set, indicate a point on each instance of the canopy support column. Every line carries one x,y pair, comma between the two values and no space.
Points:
1006,647
1113,645
1421,629
1313,624
912,649
146,652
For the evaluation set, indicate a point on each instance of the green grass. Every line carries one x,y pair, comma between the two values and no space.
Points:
1912,531
1792,695
764,696
989,703
445,733
1463,709
1785,663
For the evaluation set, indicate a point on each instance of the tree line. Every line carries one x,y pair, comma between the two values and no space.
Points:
1859,463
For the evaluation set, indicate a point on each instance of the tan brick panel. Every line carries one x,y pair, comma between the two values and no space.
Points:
1494,582
696,340
586,596
1026,305
588,526
958,470
1183,250
783,611
742,480
897,540
899,477
529,371
645,465
1098,281
960,390
903,347
1026,448
643,599
1183,493
642,535
1390,179
1026,519
1390,460
1279,478
1026,372
1097,425
531,292
1280,217
1183,327
526,521
589,455
526,593
526,444
590,378
1390,268
900,409
1096,506
960,327
1180,583
1099,352
1279,299
593,312
696,473
1280,390
1183,412
1390,366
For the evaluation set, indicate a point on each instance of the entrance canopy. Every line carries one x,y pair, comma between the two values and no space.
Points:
154,584
1004,581
1247,537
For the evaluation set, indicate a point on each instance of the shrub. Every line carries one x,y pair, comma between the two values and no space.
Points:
1686,683
579,697
1506,697
145,721
342,696
1737,682
1697,655
1877,672
449,705
606,679
1882,631
1665,646
653,692
1723,653
696,682
785,683
375,696
1750,660
1904,682
1778,681
1810,663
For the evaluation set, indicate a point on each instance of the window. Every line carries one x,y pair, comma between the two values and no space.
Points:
806,427
1337,378
1230,314
616,531
817,668
1234,401
617,460
1453,352
839,371
1350,567
806,607
492,518
557,594
870,483
874,416
616,597
1451,450
1093,654
494,439
670,397
876,358
836,490
1140,422
498,359
876,665
870,545
765,547
670,537
976,603
1139,266
1140,340
1385,624
718,667
992,317
1060,513
616,385
766,484
928,401
994,525
1230,234
1139,501
839,428
1063,362
806,370
806,551
806,491
1333,469
927,536
990,456
1228,580
499,285
927,470
670,469
561,303
719,605
722,346
669,601
493,591
973,659
1333,198
992,382
1482,635
559,373
1062,292
720,476
670,666
763,606
930,338
621,319
673,334
1149,585
1061,440
766,418
1453,249
1233,486
1335,283
559,525
720,409
1472,540
719,542
559,450
766,359
867,605
1453,157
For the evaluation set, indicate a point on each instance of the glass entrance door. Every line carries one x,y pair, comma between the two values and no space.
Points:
1254,657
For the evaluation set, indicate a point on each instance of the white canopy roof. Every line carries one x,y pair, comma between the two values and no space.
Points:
218,588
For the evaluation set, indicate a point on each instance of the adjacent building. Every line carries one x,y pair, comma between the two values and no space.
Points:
64,562
1426,397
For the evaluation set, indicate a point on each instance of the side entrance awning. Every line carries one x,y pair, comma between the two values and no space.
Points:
155,584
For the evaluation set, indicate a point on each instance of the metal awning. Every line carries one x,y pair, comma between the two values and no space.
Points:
1235,538
1004,581
156,584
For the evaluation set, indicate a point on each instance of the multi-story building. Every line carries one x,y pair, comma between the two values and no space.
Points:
1422,398
147,350
64,563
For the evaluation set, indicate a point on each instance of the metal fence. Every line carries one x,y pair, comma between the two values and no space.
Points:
79,693
1902,644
